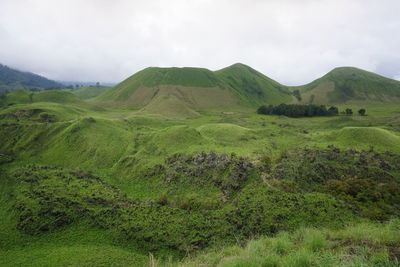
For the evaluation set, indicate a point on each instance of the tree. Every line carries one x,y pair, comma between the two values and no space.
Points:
362,112
298,111
333,110
349,111
97,84
296,94
265,110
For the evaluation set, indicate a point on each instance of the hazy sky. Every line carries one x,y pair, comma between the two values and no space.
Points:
291,41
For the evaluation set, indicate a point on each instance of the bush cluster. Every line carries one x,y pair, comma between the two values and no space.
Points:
50,198
367,180
297,110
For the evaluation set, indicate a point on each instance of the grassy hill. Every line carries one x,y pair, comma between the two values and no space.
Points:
346,84
88,92
11,79
251,86
185,91
26,97
83,185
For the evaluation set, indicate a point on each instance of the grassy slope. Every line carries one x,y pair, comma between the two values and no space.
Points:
175,91
151,77
350,84
233,87
360,245
122,144
88,92
52,96
253,87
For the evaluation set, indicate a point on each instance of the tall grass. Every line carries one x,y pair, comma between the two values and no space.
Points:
363,244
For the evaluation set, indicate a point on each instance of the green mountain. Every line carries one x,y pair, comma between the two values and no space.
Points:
349,84
251,86
11,79
185,91
82,185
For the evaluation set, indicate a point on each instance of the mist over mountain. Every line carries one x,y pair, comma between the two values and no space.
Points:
12,79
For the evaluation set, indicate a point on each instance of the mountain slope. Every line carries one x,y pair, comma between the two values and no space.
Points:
349,84
252,86
87,92
27,97
11,79
182,92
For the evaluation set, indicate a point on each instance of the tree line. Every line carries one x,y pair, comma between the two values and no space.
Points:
297,110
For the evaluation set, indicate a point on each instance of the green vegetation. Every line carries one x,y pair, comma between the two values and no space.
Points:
349,84
178,181
187,90
11,79
184,92
26,97
365,137
297,111
365,244
88,92
251,86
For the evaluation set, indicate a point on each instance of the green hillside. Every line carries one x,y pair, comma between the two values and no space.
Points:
346,84
88,92
26,97
366,137
184,92
253,87
152,77
182,171
12,79
188,90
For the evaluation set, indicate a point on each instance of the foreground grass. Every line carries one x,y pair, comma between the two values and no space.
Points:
364,244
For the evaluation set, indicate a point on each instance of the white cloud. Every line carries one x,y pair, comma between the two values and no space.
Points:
291,41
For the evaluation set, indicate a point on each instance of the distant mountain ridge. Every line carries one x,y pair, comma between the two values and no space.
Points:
12,79
185,91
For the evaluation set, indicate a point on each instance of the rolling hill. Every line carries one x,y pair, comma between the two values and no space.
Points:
11,79
83,185
346,84
27,97
182,92
88,92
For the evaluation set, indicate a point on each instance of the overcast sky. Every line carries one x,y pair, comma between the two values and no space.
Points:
291,41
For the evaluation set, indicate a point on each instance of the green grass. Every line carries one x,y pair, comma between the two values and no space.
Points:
253,87
224,132
350,84
55,96
52,96
75,246
356,245
193,89
365,138
88,92
150,77
128,149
